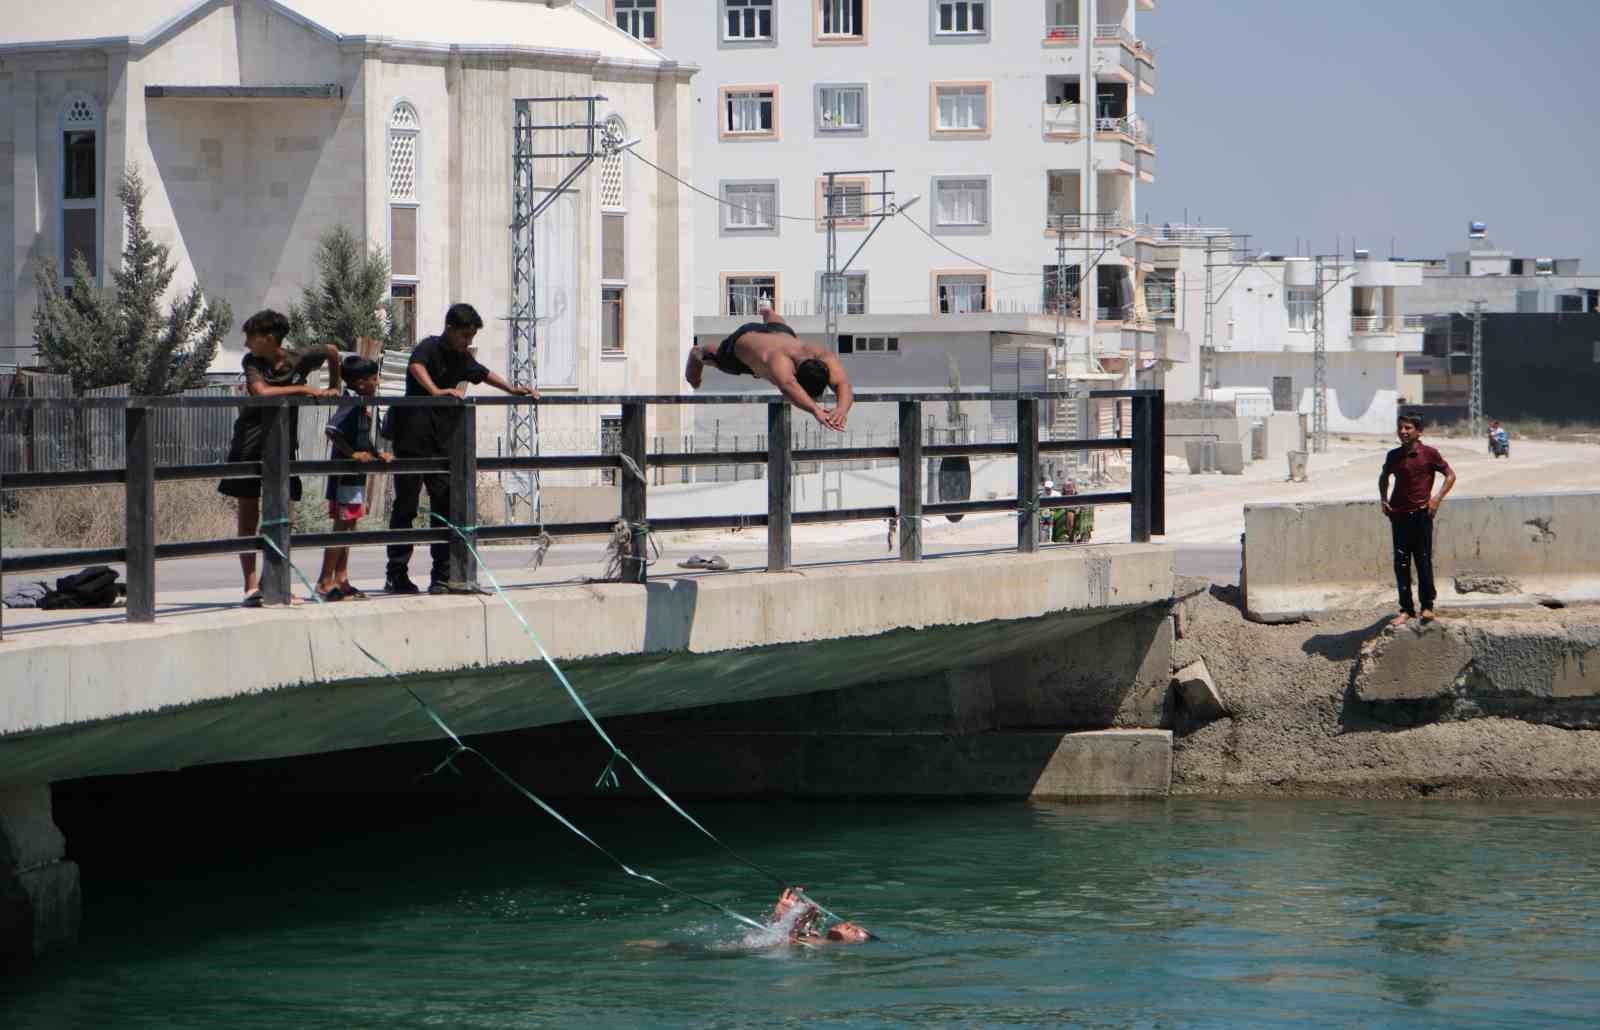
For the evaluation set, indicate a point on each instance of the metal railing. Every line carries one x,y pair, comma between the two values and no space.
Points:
140,552
1113,30
1061,33
1384,325
1063,119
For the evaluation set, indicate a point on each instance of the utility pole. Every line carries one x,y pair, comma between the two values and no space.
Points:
833,202
1208,340
1475,399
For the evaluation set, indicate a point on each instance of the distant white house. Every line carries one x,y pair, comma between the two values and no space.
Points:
258,124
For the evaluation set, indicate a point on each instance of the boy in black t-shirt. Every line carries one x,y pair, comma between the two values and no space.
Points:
351,434
270,370
438,367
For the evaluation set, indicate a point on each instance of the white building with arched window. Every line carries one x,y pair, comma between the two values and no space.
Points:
260,124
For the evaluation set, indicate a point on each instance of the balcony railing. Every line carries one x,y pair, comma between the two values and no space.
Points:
1113,30
1386,325
277,541
1073,221
1132,126
1062,34
1063,119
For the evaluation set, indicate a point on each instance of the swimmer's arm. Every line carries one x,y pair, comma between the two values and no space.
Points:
781,371
839,381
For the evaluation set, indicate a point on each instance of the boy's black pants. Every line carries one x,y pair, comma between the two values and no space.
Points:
1413,542
407,494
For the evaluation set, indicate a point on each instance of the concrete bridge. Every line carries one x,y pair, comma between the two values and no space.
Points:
966,675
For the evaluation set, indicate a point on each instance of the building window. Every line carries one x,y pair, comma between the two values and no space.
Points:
405,205
750,112
961,205
849,293
848,205
1301,302
612,266
1161,295
610,443
962,294
403,298
840,21
80,185
750,208
1283,393
611,313
742,294
842,109
850,343
747,21
637,18
961,109
1061,292
613,184
966,19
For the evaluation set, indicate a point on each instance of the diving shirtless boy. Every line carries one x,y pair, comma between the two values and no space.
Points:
770,350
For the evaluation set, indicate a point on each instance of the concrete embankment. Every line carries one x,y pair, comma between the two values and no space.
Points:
1488,703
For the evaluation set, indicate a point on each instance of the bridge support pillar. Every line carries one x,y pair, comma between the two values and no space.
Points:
39,900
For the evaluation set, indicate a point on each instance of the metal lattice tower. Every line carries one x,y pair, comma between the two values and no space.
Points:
1208,338
1319,350
528,201
1475,398
833,204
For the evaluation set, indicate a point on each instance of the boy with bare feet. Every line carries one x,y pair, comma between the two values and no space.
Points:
1411,508
769,350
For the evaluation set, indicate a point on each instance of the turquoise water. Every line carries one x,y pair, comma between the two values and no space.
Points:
1183,913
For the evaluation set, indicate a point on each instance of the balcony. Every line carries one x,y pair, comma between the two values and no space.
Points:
1146,164
1114,32
1073,221
1131,127
1061,35
1146,73
1063,121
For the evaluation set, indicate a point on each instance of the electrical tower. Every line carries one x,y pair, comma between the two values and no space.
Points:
835,205
529,200
1475,398
1326,266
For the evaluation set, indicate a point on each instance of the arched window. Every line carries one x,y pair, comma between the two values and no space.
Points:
81,190
611,181
405,132
613,264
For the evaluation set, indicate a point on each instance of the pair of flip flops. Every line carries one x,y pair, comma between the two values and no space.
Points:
708,563
342,594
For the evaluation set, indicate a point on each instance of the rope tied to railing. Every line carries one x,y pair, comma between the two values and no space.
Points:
619,548
460,748
633,467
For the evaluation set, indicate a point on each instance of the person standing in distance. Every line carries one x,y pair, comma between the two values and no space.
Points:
1411,508
440,366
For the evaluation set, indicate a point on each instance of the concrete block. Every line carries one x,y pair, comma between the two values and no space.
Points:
1198,693
1108,763
28,833
1415,663
1230,458
1577,675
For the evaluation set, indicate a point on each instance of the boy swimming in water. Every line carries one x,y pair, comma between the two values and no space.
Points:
800,920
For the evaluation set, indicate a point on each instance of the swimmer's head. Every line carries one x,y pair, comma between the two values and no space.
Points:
850,933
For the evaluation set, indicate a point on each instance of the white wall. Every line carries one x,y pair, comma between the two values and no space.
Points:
1362,388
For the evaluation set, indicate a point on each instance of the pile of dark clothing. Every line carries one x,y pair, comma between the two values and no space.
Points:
94,587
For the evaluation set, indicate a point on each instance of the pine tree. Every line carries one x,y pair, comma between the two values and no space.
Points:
349,298
104,337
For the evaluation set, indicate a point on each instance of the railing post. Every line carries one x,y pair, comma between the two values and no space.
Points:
780,488
1028,475
275,458
1140,481
633,493
464,497
1158,470
910,481
139,508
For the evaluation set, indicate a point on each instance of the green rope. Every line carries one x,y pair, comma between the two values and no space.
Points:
463,749
608,776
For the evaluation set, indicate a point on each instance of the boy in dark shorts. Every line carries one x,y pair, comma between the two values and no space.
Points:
270,370
770,350
440,366
1411,508
351,434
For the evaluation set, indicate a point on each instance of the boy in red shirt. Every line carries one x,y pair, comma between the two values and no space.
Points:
1411,508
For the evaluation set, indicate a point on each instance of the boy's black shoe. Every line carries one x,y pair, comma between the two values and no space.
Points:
399,583
438,586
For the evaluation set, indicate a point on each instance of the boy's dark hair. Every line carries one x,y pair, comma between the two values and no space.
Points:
812,375
462,316
354,367
1415,421
267,322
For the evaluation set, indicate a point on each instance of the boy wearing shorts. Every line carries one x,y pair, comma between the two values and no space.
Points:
351,434
270,370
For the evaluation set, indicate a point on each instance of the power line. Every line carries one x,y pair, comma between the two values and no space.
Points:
739,207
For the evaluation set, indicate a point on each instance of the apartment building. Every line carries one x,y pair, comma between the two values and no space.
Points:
1263,325
1015,125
